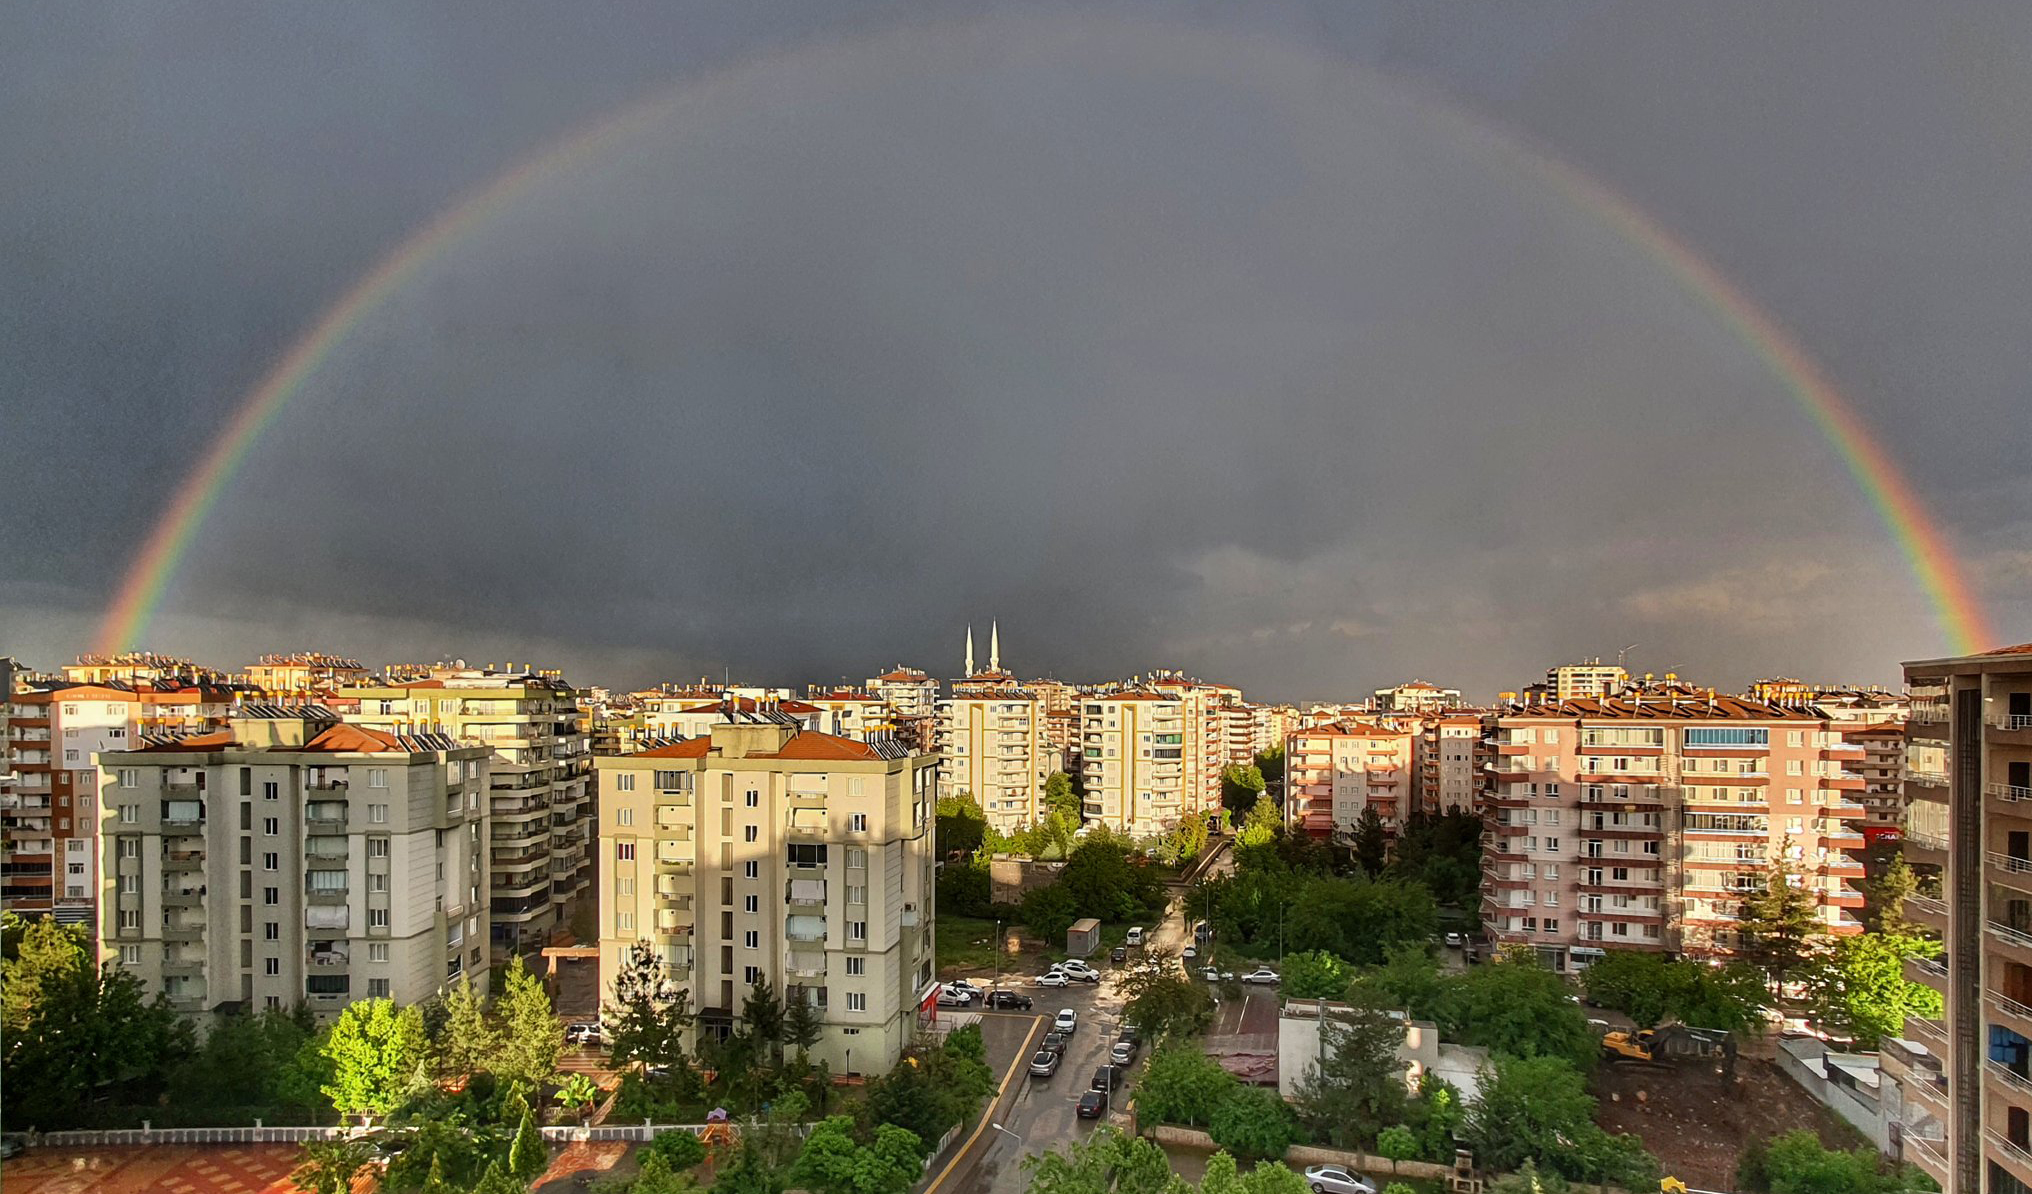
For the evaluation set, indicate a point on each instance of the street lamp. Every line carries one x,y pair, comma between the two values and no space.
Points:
1006,1132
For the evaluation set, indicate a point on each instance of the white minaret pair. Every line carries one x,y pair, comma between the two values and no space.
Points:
994,648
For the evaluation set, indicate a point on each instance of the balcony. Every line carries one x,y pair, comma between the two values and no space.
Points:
1928,711
2010,871
1927,972
183,899
2015,1015
1931,1156
1931,1033
2013,792
183,932
1923,840
1926,779
2012,1156
184,860
2009,721
2011,938
1927,910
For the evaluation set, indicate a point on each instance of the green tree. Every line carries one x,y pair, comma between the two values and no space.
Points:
466,1043
577,1093
1104,884
1796,1163
1253,1122
76,1027
1163,1001
649,1016
1106,1162
244,1067
1355,1087
1372,841
929,1091
527,1156
1538,1108
1182,1085
530,1034
802,1024
961,826
329,1166
1780,925
375,1050
1261,827
1528,1180
1059,796
1241,788
1359,919
1858,987
1409,979
1631,981
1049,911
496,1179
680,1150
834,1162
964,889
1270,765
1313,974
1517,1007
762,1012
1397,1143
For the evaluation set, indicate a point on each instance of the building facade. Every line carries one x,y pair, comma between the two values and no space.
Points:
764,850
1589,680
1447,751
1644,824
1141,777
1965,1081
1417,697
291,858
1333,772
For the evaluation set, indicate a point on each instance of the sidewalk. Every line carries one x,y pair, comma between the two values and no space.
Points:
954,1164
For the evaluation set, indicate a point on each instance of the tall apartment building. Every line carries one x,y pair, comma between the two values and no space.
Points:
1589,680
291,858
1643,824
1447,753
768,851
303,675
913,701
1140,776
993,741
1205,731
1965,1082
1417,697
141,668
1333,772
539,823
51,833
1882,769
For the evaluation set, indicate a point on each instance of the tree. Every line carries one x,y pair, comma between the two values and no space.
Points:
680,1150
1107,1162
1528,1180
834,1162
466,1043
1314,974
1538,1108
964,889
649,1016
577,1093
961,827
1631,981
1858,986
1408,979
498,1180
245,1068
527,1156
1160,1000
1884,898
1397,1143
531,1036
802,1025
1356,1086
1517,1007
1270,764
762,1012
928,1091
328,1166
1182,1085
1104,884
375,1050
1780,925
1241,788
1059,796
1359,919
1796,1163
1254,1122
1049,911
1261,826
1372,841
76,1027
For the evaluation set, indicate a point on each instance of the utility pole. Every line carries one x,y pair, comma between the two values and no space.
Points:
998,956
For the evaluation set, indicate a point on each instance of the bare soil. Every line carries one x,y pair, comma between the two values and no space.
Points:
1696,1124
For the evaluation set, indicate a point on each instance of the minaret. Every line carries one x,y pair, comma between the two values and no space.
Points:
970,651
994,647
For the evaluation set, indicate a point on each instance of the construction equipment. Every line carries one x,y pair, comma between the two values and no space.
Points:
1670,1043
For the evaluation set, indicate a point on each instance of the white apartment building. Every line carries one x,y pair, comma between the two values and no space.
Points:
1140,777
290,858
1417,697
764,850
1589,680
1447,754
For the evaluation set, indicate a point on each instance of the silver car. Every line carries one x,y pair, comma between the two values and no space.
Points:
1332,1179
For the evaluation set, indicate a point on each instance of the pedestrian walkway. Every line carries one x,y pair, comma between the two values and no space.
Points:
175,1169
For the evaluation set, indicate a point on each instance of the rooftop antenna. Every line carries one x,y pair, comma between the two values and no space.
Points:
1624,653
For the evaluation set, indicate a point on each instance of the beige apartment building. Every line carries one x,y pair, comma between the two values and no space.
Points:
1588,680
292,858
912,696
1417,697
1205,732
994,743
1964,1083
1447,754
1642,824
764,850
1333,772
1140,777
303,675
540,823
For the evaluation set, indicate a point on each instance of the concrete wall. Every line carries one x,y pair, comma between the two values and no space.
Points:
1009,877
1805,1062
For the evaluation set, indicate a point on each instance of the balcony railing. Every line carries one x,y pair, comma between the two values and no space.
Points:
2004,1145
2008,791
1929,779
2011,1078
2010,721
2008,935
2008,862
1927,904
1930,1033
1924,840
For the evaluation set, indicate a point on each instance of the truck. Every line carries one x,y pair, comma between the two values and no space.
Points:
1669,1043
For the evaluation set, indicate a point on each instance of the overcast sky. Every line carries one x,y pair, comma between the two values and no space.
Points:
1169,337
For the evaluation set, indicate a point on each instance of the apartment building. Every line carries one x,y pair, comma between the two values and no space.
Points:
51,829
851,712
992,738
765,850
1447,757
539,824
1140,776
1642,824
1417,697
1205,732
303,675
1882,769
141,668
290,857
913,701
1588,680
1965,1082
1333,772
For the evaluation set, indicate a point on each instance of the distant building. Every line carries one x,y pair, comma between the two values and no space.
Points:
1417,697
764,850
290,858
992,739
141,668
1332,773
1447,753
1588,680
1300,1047
303,674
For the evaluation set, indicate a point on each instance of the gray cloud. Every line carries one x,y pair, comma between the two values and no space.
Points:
1165,343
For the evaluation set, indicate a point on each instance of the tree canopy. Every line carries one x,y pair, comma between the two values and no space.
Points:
648,1016
1315,974
531,1035
1516,1007
834,1161
1182,1085
1355,1088
376,1051
1241,788
1857,987
1538,1108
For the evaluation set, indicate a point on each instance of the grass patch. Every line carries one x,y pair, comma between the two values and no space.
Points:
966,944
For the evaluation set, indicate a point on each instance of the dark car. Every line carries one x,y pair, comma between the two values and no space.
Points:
1106,1077
1119,954
1131,1033
1093,1104
1009,1000
1054,1043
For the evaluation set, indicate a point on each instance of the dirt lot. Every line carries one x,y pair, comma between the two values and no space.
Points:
1696,1125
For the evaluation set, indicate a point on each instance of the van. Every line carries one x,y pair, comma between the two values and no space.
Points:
1135,937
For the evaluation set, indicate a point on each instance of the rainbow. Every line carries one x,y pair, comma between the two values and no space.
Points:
1921,541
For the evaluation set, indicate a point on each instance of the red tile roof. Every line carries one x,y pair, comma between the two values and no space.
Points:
2020,649
344,738
216,740
690,748
812,746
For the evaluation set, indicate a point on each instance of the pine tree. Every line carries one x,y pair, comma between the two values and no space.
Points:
1780,926
531,1036
466,1042
1884,910
802,1025
1372,843
762,1012
649,1015
527,1156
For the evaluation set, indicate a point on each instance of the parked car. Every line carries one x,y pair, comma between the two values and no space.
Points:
1135,936
1092,1105
1119,954
1264,975
1455,940
1067,1021
1124,1052
1332,1179
1214,974
1079,970
1188,953
1106,1077
1009,1001
1044,1064
1054,1041
1053,978
1131,1032
582,1034
947,997
1203,932
960,984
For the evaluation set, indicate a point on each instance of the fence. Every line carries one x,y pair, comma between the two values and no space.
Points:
262,1134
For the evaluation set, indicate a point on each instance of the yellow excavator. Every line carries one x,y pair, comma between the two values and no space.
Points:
1670,1043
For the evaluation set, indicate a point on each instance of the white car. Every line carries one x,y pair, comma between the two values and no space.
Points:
960,984
1079,970
1067,1021
1455,940
1332,1179
1262,974
1135,937
947,997
1053,978
1188,953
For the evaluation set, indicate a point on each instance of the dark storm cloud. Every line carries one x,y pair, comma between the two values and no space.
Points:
1165,342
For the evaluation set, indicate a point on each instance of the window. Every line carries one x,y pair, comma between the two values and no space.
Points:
380,882
624,887
271,931
130,847
624,851
857,967
377,952
271,862
271,790
857,930
271,896
754,798
378,814
857,857
377,918
1552,845
857,823
130,918
751,869
377,777
1795,738
1726,736
624,816
130,885
130,955
1550,870
624,782
857,1001
130,777
271,966
271,827
751,974
130,813
1794,767
750,833
624,921
377,988
752,904
752,939
377,847
857,893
